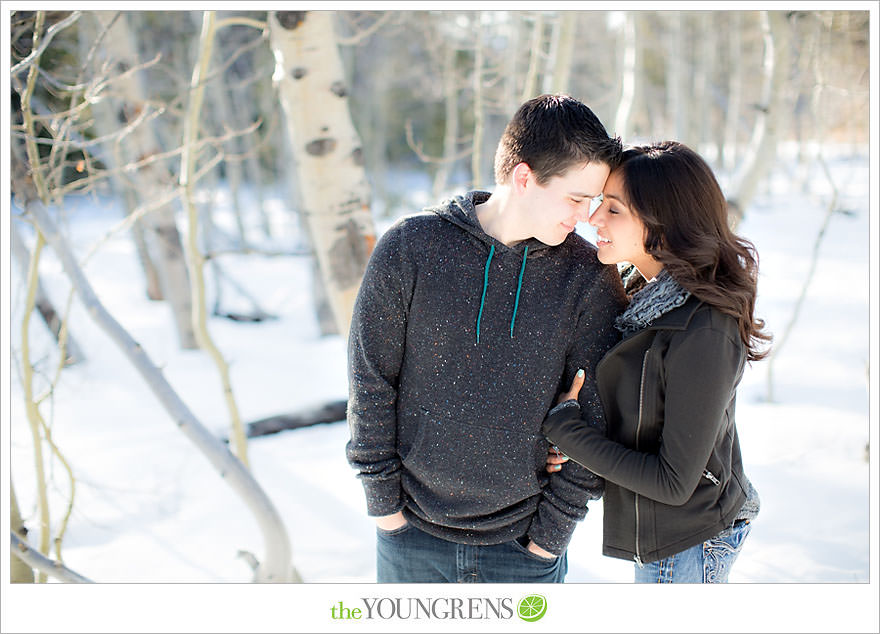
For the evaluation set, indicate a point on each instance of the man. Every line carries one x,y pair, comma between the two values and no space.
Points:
469,321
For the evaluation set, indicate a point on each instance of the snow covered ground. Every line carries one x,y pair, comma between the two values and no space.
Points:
149,509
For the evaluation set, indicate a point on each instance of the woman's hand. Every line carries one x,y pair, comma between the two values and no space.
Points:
576,384
555,459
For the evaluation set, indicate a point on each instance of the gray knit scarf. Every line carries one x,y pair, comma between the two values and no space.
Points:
657,297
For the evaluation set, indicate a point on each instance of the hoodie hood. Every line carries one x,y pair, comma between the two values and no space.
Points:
461,211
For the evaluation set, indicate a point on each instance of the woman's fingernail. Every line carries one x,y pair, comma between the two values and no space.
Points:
580,373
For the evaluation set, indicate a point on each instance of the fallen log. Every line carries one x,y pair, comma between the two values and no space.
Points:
326,413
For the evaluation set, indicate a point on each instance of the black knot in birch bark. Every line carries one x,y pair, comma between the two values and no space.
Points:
338,88
290,19
128,112
358,156
349,255
168,240
298,73
320,147
122,67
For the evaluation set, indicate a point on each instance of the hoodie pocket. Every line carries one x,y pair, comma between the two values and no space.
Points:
474,469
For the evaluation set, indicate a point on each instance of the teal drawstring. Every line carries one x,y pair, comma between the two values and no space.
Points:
522,270
485,287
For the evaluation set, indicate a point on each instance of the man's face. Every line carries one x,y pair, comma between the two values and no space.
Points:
556,207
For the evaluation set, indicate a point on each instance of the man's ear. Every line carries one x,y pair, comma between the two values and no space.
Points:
520,177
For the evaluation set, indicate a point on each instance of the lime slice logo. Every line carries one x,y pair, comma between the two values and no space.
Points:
532,608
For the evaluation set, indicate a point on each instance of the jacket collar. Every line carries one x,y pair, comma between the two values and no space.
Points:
676,319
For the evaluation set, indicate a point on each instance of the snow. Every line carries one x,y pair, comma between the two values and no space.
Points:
149,509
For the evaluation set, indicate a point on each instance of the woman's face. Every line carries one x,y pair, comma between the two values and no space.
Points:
621,234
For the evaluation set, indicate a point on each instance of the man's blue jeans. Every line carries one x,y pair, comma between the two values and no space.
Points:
709,562
409,555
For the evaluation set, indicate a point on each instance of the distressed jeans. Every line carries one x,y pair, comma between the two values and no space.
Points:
409,555
709,562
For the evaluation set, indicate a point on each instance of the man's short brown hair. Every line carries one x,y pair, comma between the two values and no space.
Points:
551,133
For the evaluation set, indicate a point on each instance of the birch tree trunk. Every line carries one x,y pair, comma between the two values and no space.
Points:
810,128
254,175
560,60
530,86
702,69
676,100
378,140
450,121
628,77
761,151
286,165
264,107
550,58
218,113
512,66
139,235
194,256
329,157
734,92
163,237
232,168
479,114
88,33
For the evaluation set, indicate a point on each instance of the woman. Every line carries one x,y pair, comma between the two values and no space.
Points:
676,499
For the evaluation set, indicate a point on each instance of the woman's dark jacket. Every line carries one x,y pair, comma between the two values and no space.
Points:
671,460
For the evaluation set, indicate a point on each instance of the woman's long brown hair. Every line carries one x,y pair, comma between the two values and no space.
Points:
674,193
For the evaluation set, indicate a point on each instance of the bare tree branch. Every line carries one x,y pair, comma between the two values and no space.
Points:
131,167
814,260
363,34
241,20
47,38
36,560
218,72
427,158
172,194
212,255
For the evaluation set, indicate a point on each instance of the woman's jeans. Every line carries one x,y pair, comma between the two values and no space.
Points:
709,562
409,555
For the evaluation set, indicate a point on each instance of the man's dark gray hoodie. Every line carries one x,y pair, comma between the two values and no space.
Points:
459,346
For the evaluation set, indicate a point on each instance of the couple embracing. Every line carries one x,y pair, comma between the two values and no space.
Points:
503,371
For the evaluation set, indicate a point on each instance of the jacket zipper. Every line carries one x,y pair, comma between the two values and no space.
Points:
711,476
637,556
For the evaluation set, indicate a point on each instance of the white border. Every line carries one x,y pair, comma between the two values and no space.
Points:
572,607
